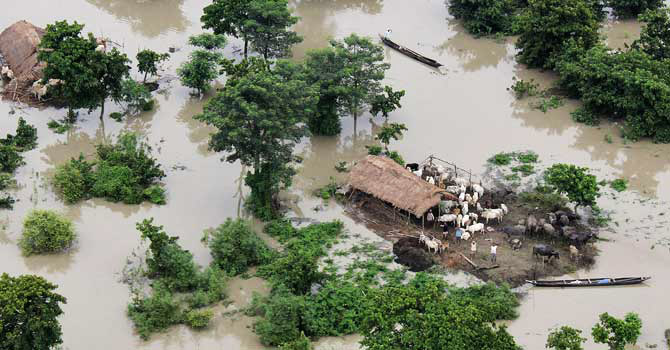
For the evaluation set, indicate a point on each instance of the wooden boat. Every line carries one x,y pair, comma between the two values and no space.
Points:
589,282
413,54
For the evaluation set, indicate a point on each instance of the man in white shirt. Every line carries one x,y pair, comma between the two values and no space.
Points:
494,251
387,35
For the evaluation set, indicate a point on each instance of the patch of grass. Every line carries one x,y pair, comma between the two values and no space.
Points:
523,88
546,104
619,185
527,157
524,169
59,127
543,197
502,158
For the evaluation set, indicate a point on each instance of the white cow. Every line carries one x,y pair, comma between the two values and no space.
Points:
475,228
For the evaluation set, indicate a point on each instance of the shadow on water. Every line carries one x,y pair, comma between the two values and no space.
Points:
151,18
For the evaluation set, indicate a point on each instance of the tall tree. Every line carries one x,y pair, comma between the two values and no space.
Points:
267,27
325,69
200,69
111,68
29,311
387,102
362,74
260,117
228,17
549,24
148,60
655,35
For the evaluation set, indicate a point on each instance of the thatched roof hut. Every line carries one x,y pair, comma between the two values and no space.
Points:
383,178
19,48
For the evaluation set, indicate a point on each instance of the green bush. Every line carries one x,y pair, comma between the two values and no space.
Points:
524,88
199,319
528,157
235,247
580,186
155,194
45,231
655,35
337,309
10,159
484,17
301,343
396,157
632,8
75,179
282,317
374,150
617,333
498,303
524,169
502,159
116,183
155,313
135,95
619,185
565,338
622,85
25,138
281,229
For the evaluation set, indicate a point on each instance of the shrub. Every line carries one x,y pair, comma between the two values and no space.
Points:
135,95
283,314
301,343
10,159
580,186
619,185
235,247
499,303
200,69
337,309
617,333
45,231
655,34
281,229
199,319
154,313
484,17
524,88
147,62
208,41
74,179
25,138
154,194
297,270
525,169
502,159
632,8
116,183
528,157
396,157
374,150
29,310
565,338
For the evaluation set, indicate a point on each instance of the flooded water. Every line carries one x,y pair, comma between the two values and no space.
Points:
463,114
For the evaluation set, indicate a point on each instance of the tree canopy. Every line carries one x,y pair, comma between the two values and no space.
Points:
484,17
260,117
148,60
617,333
228,17
548,24
632,8
576,182
29,310
267,28
655,35
565,338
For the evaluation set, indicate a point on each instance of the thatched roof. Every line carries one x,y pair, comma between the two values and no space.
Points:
18,46
383,178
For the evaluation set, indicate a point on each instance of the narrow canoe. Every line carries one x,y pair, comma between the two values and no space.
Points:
413,54
589,282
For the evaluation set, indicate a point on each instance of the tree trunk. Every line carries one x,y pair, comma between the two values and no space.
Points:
145,77
355,122
246,44
102,109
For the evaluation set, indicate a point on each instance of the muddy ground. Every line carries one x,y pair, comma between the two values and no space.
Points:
513,267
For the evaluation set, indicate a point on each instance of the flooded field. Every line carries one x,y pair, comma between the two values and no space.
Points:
462,113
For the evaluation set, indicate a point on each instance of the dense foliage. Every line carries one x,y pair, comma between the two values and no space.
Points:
123,172
617,333
386,102
655,35
565,338
576,182
484,17
179,288
623,85
90,75
235,247
199,70
29,311
45,231
549,24
632,8
24,139
148,60
259,118
136,96
208,41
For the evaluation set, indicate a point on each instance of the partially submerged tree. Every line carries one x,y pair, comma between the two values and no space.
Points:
576,182
484,17
228,17
148,60
655,36
208,41
136,96
268,26
389,132
29,310
549,24
201,68
260,117
324,68
632,8
387,102
617,333
565,338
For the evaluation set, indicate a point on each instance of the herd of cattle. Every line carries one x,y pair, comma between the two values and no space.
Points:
469,208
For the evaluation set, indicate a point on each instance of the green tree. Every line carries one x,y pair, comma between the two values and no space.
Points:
136,96
267,28
260,117
325,69
200,69
389,132
548,24
228,17
148,60
235,247
111,70
362,74
29,310
45,231
576,182
565,338
655,36
421,315
617,333
387,102
632,8
484,17
208,41
282,319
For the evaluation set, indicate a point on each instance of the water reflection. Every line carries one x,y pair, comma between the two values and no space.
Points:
198,132
149,17
473,54
51,263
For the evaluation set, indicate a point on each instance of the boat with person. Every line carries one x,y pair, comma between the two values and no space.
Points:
589,282
408,52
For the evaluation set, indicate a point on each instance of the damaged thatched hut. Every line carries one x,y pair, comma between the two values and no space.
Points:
19,45
386,180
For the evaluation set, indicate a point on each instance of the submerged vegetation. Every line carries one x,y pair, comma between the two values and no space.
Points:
11,147
123,172
45,231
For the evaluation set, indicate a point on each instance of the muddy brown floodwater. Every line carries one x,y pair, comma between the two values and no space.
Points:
462,113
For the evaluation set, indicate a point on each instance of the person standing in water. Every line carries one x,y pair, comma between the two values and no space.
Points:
387,35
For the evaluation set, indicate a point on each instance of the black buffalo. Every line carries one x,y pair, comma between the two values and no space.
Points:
545,251
412,166
517,230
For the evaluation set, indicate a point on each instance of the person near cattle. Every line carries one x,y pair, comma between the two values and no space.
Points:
459,235
494,251
473,248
